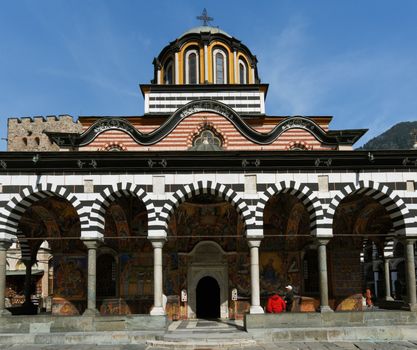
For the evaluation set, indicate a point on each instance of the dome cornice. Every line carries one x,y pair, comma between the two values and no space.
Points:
204,38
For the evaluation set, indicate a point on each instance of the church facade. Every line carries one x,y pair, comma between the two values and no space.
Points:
202,206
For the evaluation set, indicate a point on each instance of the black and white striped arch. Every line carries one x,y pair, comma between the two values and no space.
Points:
401,218
11,214
210,187
110,194
302,192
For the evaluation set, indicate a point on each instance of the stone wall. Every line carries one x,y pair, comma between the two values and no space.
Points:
27,134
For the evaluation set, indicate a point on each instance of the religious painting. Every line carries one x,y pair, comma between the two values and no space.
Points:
272,274
70,277
64,307
114,306
207,217
239,270
293,273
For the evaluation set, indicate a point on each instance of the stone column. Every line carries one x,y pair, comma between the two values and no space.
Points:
255,307
177,68
253,74
411,273
206,68
4,245
387,280
236,67
28,282
92,246
158,76
157,309
324,287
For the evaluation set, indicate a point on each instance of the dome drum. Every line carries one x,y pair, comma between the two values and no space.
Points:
201,53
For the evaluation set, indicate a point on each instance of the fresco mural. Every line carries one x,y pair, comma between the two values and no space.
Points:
70,276
287,237
127,225
204,217
70,284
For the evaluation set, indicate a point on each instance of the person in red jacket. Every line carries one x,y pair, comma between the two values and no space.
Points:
275,304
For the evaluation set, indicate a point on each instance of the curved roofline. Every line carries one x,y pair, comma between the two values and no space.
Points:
296,122
205,29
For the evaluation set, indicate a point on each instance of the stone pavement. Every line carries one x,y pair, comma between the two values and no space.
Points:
398,345
198,334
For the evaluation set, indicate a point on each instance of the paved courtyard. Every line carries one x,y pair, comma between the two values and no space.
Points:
206,335
282,346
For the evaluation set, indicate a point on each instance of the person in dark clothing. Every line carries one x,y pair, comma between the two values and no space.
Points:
289,298
275,304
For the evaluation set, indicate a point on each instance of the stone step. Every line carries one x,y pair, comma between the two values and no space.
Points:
198,335
201,343
102,338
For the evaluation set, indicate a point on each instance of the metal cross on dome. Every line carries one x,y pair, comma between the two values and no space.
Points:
205,18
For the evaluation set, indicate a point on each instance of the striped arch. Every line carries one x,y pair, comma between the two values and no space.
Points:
110,194
401,218
11,214
210,187
302,192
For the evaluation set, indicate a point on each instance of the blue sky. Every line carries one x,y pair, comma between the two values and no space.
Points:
355,60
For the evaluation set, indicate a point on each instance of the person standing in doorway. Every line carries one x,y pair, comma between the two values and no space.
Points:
289,298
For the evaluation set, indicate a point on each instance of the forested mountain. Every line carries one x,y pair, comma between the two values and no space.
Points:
400,136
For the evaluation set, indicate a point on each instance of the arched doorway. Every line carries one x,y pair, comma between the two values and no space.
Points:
208,298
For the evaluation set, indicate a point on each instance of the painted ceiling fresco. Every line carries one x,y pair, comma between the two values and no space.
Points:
126,225
286,224
52,218
206,217
360,218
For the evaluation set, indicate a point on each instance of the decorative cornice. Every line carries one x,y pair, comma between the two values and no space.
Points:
204,105
226,161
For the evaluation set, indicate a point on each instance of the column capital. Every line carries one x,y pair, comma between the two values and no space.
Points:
5,244
158,242
92,243
409,240
254,242
323,240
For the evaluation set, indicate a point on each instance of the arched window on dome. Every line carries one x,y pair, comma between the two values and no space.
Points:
220,66
191,67
243,72
169,73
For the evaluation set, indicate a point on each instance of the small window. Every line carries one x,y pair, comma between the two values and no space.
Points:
220,66
191,67
169,74
25,141
207,137
114,149
219,69
243,73
298,146
37,141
